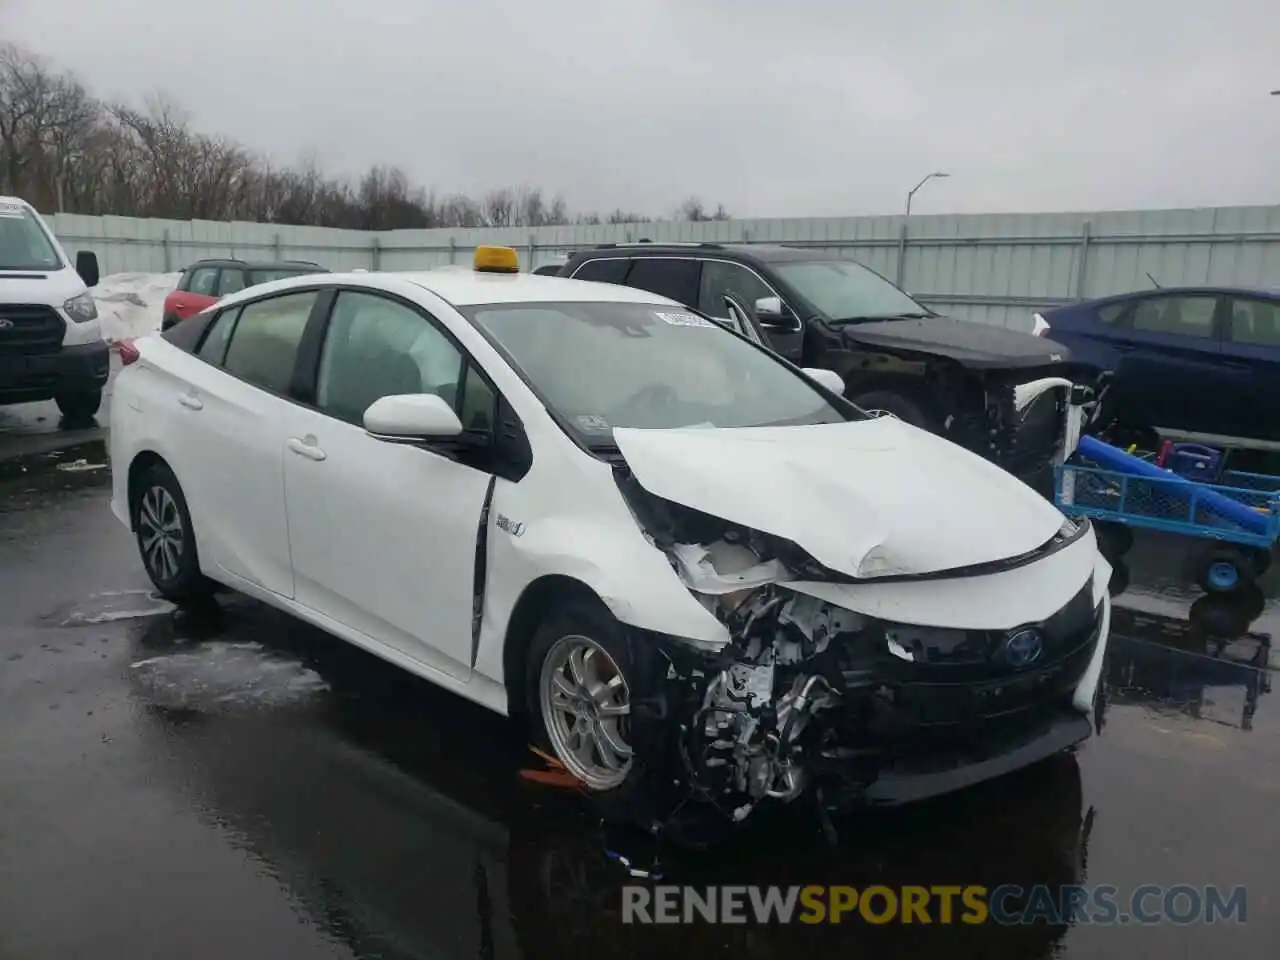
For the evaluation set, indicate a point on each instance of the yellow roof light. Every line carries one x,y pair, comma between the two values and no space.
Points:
496,260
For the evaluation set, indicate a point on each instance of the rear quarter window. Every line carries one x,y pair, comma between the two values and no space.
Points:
1110,313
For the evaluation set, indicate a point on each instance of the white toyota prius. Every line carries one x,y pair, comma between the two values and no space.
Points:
694,570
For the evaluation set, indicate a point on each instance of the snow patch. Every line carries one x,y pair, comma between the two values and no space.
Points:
132,304
220,675
110,606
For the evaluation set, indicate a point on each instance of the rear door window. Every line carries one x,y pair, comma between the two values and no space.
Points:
604,271
677,279
1190,316
231,281
204,281
264,344
1110,313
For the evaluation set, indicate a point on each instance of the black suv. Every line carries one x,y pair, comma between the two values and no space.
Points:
953,377
206,282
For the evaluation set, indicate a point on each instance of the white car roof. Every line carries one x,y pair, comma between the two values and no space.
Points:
468,287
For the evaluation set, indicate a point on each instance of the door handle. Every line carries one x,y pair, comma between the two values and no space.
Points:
191,402
1236,365
306,448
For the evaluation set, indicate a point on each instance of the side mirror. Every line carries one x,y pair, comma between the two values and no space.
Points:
772,314
827,378
413,416
87,267
769,309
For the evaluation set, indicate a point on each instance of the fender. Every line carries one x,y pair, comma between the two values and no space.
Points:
600,545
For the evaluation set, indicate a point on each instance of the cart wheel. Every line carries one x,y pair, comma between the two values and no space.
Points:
1261,560
1119,581
1224,570
1114,539
1225,616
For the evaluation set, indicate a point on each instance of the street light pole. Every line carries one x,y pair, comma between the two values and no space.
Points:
913,190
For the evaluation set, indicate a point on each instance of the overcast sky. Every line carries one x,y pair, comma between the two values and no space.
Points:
799,108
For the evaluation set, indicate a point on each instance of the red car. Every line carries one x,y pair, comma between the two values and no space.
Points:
207,281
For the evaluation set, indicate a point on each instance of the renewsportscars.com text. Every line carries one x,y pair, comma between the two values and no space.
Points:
1007,905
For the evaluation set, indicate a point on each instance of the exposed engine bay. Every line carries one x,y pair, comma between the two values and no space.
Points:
810,695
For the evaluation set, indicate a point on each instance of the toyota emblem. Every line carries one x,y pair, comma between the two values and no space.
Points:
1023,647
6,323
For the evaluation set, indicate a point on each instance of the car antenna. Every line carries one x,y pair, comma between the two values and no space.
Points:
1154,282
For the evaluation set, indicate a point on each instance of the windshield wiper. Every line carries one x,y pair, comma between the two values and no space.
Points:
883,316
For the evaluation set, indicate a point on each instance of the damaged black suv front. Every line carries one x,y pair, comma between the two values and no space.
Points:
884,644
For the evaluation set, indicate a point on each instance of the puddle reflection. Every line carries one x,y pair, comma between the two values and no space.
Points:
395,816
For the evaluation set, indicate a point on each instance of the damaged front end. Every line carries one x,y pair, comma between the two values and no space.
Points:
1025,425
809,697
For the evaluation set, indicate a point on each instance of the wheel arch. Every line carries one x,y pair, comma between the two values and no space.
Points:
537,599
142,461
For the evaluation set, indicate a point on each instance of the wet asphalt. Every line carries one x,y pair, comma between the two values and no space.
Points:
232,783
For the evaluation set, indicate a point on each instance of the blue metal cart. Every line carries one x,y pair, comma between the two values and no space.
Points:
1238,514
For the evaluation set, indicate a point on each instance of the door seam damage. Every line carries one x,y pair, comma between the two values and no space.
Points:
481,570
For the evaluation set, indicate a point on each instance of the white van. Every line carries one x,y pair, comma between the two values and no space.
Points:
51,345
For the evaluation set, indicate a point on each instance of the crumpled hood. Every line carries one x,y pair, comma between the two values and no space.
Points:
866,498
971,344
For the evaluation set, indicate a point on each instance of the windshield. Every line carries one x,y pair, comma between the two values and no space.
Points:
606,365
843,290
23,243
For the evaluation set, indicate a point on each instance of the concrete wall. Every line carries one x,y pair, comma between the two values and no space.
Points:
993,268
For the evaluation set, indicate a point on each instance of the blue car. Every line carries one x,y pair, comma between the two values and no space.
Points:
1185,360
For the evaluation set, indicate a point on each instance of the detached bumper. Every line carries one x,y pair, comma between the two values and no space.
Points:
905,785
1024,738
42,376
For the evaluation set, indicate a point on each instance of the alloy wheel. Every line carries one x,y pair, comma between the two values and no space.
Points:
160,534
586,705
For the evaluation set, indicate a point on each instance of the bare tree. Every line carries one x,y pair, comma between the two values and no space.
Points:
693,209
64,150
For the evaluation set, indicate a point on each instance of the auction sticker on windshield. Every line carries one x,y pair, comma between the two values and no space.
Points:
11,210
684,319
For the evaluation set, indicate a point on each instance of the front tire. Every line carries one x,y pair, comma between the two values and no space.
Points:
585,682
80,407
166,540
580,695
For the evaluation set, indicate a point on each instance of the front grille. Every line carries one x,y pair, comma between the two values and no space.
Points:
30,328
899,700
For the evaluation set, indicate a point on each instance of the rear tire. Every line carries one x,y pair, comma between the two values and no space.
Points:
904,407
165,538
79,408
